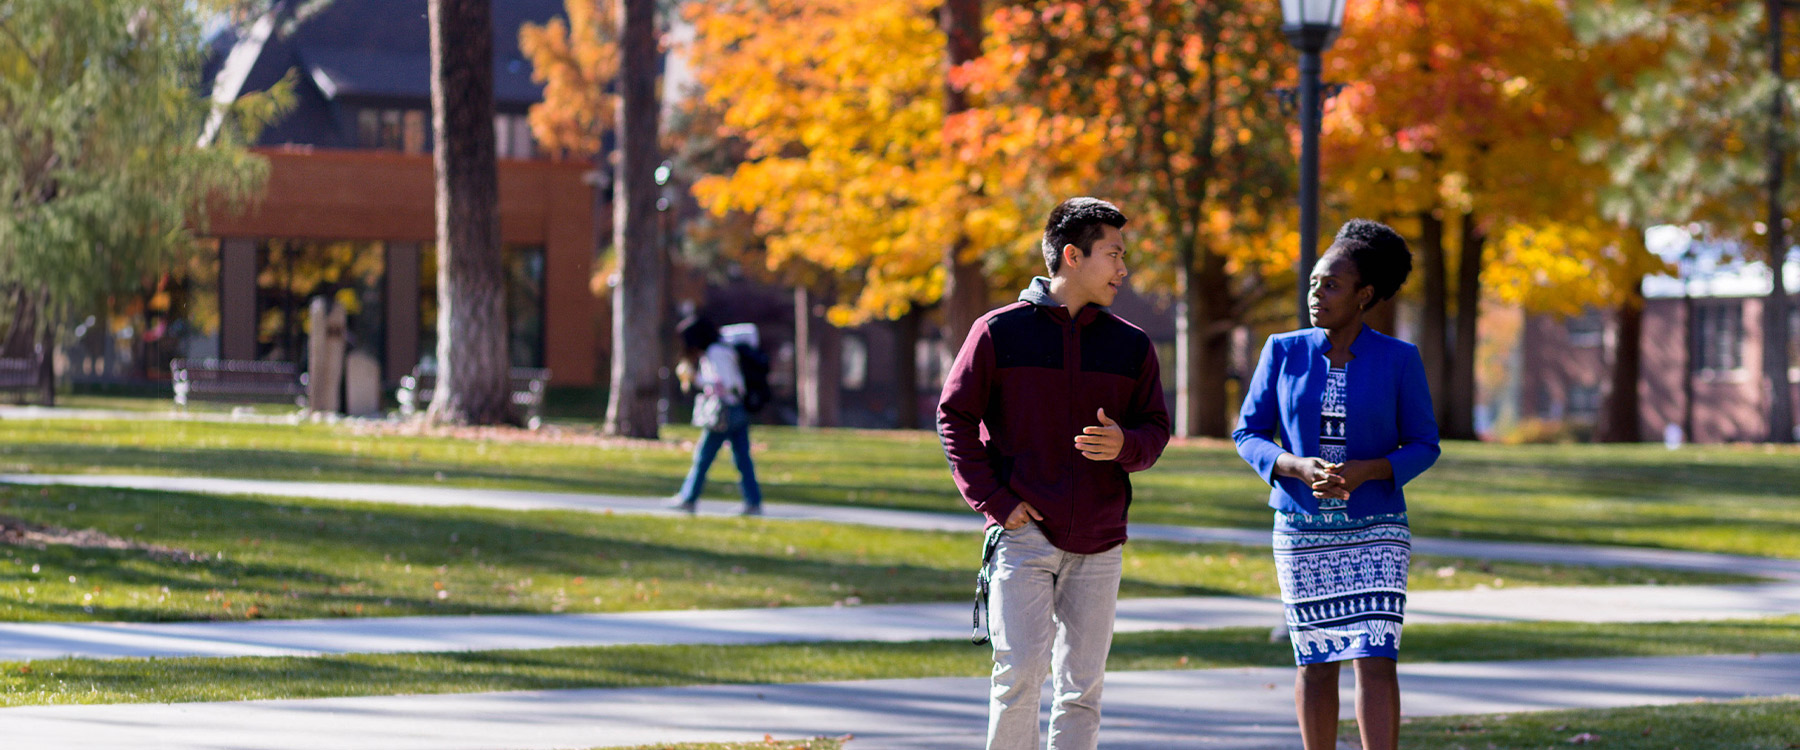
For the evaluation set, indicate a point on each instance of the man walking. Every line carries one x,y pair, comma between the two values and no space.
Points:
1051,402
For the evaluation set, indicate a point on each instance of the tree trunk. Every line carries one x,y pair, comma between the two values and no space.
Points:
1775,360
1432,317
1202,349
31,335
965,299
472,385
965,290
1188,343
818,359
906,366
1619,412
46,352
1775,321
22,337
638,299
1459,420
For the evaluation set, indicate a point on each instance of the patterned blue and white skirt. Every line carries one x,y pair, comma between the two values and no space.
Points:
1343,581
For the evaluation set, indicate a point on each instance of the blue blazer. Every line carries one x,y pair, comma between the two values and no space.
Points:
1387,412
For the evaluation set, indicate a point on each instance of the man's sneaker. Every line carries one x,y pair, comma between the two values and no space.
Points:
685,506
751,510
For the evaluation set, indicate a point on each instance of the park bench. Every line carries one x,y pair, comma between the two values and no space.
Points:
527,385
237,380
20,375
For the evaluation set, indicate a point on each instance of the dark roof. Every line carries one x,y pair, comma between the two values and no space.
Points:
378,52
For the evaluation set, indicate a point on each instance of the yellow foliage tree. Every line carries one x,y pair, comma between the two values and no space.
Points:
849,166
1173,107
576,61
1468,117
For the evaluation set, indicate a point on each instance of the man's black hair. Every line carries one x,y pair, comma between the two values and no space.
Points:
1382,259
1078,222
697,332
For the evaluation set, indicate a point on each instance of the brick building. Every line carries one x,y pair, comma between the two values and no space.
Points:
1701,335
348,211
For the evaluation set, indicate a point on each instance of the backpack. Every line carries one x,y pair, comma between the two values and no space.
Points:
754,364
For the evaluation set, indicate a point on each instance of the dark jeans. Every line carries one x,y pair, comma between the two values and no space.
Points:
738,432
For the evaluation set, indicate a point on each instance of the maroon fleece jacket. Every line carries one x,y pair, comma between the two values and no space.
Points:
1027,381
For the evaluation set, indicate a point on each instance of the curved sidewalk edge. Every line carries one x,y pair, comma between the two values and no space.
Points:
1231,709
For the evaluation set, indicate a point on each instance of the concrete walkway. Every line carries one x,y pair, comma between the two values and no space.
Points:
1226,709
440,496
1241,709
888,622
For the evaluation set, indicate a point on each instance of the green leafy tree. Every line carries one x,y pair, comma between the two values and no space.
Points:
1701,134
101,107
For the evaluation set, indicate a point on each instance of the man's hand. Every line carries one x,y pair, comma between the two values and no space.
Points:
1021,513
1101,443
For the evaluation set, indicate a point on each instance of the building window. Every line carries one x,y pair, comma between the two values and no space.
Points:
856,362
1584,400
405,130
1718,335
290,273
1794,333
1552,404
512,137
1587,330
525,306
413,131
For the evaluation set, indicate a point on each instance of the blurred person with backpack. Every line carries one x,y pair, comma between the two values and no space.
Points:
711,369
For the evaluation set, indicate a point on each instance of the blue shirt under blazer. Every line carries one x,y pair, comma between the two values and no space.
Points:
1388,415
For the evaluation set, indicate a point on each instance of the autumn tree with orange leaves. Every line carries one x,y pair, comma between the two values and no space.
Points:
1179,97
1461,124
853,169
576,59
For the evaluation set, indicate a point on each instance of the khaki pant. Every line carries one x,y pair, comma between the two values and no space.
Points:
1051,613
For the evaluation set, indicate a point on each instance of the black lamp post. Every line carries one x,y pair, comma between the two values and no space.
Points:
1311,26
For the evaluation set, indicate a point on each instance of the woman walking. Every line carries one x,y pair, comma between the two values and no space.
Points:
710,367
1352,407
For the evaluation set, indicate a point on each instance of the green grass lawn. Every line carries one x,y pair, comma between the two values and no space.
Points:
210,679
1763,724
1713,498
201,557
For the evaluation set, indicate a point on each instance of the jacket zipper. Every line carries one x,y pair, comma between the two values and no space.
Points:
1072,366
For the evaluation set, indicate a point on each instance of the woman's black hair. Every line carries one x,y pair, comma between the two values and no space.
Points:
697,332
1380,254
